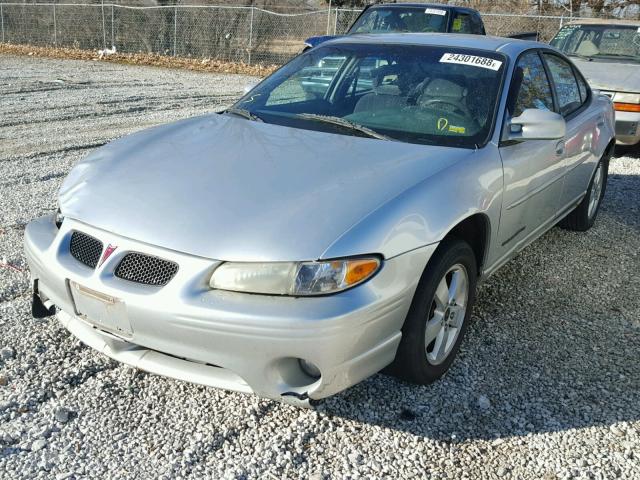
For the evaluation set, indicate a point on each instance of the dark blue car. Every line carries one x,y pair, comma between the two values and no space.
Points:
411,17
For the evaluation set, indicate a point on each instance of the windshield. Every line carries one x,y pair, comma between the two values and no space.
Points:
395,19
600,42
417,94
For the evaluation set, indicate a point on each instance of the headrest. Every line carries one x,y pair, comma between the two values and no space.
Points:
440,87
379,74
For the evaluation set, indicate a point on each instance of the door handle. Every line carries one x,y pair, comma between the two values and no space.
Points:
560,148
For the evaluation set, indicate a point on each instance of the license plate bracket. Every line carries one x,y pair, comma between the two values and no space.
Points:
101,310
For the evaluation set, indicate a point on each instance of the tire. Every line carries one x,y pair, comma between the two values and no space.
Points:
417,360
582,218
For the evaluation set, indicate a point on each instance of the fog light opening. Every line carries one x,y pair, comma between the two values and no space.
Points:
309,368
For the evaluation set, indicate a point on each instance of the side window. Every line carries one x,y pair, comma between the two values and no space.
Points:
582,86
477,27
534,90
461,23
565,84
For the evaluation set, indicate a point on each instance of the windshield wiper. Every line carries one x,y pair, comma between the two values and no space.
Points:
343,123
241,112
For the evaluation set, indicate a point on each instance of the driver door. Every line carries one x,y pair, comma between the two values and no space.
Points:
533,169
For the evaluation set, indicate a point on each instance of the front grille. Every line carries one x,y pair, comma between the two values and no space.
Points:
145,269
85,249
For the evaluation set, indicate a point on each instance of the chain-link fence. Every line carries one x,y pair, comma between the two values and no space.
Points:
230,33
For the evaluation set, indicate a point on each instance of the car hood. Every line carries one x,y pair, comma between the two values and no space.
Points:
231,189
613,76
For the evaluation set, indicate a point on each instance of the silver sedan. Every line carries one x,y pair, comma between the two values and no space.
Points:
316,233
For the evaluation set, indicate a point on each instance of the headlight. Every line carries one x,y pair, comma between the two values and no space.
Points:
294,278
626,102
58,218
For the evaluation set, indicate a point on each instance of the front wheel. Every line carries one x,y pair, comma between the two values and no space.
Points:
439,314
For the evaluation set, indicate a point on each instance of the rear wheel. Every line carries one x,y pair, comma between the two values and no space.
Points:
439,314
584,215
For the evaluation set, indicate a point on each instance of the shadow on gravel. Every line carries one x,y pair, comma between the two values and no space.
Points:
554,344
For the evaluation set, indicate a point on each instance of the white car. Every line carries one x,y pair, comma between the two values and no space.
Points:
607,52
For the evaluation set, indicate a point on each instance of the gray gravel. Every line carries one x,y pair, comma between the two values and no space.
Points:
546,386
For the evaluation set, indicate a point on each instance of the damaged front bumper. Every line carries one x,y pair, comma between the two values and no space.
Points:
241,342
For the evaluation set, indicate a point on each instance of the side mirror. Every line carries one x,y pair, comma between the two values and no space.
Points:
537,124
248,87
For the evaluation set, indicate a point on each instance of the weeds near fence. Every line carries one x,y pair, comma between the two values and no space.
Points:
148,59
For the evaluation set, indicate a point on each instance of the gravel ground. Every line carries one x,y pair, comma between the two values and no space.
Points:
546,385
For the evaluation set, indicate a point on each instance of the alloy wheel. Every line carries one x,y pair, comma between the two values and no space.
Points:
446,314
596,191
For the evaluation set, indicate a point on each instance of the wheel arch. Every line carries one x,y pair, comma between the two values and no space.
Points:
609,150
476,231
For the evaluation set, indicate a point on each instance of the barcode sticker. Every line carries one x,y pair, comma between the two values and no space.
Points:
472,60
435,11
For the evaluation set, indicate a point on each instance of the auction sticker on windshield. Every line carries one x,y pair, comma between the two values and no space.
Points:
435,11
473,60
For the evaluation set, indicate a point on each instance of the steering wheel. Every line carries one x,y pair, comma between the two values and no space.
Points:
457,106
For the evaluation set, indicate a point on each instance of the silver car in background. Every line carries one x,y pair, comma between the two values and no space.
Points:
303,240
607,52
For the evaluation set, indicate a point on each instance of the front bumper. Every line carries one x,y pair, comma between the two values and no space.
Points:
627,128
235,341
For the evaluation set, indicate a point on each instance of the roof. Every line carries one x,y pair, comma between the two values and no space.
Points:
422,5
509,46
605,21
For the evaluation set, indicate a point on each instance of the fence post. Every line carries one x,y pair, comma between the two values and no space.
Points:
55,27
113,38
329,17
2,21
175,30
251,35
335,23
104,29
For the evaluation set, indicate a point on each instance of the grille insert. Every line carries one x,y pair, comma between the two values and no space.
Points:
146,269
85,249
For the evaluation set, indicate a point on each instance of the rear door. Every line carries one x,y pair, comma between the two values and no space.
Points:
573,98
533,169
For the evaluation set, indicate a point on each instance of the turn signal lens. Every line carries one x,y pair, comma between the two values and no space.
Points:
626,107
358,270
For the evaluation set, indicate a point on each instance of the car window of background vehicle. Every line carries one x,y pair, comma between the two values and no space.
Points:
465,23
401,20
599,42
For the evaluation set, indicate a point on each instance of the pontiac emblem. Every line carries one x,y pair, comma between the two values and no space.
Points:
107,253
